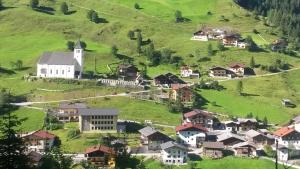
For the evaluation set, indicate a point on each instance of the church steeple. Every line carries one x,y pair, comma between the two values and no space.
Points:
78,45
78,55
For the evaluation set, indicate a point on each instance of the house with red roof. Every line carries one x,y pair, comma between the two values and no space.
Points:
191,134
288,139
237,68
198,116
101,156
39,141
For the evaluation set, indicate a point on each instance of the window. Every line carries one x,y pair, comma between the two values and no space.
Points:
69,69
63,72
51,71
57,72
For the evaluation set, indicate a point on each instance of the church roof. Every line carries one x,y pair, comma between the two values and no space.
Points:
58,58
78,45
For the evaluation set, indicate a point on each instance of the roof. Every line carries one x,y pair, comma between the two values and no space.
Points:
72,105
243,144
226,136
235,65
197,112
94,111
42,134
190,126
34,156
78,45
296,119
252,133
218,68
243,120
185,68
283,131
213,145
57,58
169,78
171,144
101,148
125,66
147,131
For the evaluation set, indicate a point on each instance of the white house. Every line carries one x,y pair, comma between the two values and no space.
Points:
39,141
191,134
173,153
186,71
68,65
237,68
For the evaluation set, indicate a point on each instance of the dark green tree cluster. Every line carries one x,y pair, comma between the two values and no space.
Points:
178,16
283,14
34,4
64,8
1,5
18,65
93,16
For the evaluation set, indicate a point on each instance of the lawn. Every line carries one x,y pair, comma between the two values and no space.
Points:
263,97
225,163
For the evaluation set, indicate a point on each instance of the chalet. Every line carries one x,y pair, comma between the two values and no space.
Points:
278,45
93,120
167,80
128,72
237,68
258,138
173,153
39,141
231,126
213,149
68,65
247,124
184,94
101,156
244,149
221,72
198,116
68,112
200,36
191,134
234,40
230,139
186,71
153,138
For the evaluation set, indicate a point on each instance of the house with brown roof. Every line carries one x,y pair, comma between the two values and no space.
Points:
237,68
213,150
68,112
167,80
234,40
221,72
197,116
101,156
128,72
39,141
152,138
244,149
184,94
191,134
230,139
246,124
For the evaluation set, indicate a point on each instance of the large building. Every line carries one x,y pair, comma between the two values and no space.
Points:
191,134
173,153
39,141
68,112
98,120
68,65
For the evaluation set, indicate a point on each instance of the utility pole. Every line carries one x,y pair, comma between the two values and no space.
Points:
276,155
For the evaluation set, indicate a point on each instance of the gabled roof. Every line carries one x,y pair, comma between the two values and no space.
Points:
236,65
171,144
191,127
226,136
218,68
94,111
169,78
243,120
243,144
58,58
72,105
213,145
147,131
100,148
283,131
197,112
42,134
252,133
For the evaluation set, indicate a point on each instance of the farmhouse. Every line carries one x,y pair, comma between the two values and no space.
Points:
231,126
68,65
191,134
233,40
68,112
101,156
237,68
244,149
128,72
186,71
278,44
206,34
198,116
221,72
98,120
39,141
153,138
247,124
213,149
167,80
229,139
258,138
173,153
184,94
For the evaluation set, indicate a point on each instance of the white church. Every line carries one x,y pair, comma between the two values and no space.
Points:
67,65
